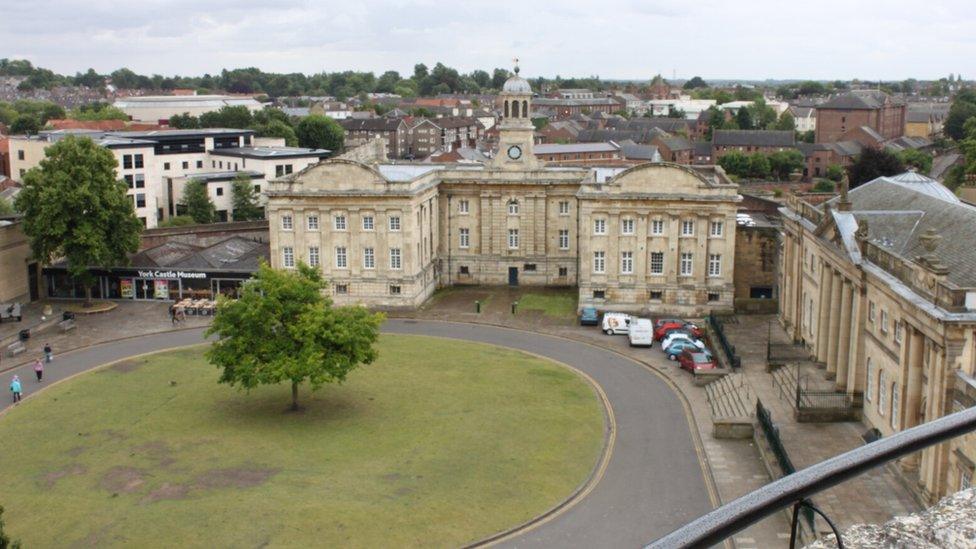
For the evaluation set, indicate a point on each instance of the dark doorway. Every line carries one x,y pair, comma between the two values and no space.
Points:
33,282
513,276
761,292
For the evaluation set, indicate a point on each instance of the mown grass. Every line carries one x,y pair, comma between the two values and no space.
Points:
437,443
557,305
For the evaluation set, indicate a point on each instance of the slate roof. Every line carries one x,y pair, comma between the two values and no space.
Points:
703,148
633,151
900,209
856,100
380,124
678,144
234,254
754,138
558,148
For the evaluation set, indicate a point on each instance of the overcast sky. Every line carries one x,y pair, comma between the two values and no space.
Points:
633,39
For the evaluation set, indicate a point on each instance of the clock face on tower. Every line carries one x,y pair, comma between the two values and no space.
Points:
515,152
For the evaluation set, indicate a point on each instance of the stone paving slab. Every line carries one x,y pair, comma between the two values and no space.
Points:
129,319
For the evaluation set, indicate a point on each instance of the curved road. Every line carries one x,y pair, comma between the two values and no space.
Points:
653,482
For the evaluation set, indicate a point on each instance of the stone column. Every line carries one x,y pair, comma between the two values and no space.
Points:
823,312
914,347
833,322
844,345
854,360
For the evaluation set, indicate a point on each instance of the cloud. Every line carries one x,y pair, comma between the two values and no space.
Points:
610,38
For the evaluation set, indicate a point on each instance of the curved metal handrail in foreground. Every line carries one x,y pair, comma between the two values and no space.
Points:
736,515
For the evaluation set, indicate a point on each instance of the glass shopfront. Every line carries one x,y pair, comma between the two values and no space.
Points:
146,285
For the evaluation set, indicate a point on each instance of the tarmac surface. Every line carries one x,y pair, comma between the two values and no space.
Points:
653,482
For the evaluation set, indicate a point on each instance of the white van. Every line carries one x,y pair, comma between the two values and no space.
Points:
641,333
616,323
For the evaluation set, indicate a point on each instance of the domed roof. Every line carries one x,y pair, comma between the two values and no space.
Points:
922,184
517,84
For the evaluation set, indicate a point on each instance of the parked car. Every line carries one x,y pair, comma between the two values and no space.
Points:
665,327
616,323
10,310
679,336
589,317
662,321
695,361
641,333
680,345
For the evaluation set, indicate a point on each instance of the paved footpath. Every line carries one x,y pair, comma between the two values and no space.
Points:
652,485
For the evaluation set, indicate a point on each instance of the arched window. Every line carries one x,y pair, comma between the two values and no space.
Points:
515,109
525,109
513,207
506,108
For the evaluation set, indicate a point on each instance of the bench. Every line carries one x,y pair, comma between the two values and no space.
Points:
16,348
67,325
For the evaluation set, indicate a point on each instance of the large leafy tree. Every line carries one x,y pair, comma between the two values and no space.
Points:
198,203
963,108
872,164
75,208
244,200
320,132
921,161
282,328
783,163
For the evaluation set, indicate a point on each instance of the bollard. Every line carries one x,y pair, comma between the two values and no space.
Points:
514,306
477,307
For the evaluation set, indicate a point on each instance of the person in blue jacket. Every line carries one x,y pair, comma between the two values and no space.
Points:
15,389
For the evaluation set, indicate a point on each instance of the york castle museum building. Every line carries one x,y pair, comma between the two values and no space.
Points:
656,236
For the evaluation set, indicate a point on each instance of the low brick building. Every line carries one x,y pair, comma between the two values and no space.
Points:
578,152
675,149
751,141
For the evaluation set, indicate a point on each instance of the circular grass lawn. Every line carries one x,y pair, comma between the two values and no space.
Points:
437,443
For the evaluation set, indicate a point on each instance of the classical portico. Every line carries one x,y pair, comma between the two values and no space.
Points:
878,285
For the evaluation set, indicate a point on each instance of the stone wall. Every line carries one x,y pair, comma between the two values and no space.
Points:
947,525
14,253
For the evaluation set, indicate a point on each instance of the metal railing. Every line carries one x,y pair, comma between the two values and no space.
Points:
734,360
771,431
793,490
822,400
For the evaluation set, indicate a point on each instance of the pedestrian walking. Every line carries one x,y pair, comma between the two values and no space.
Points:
39,370
15,389
48,353
172,314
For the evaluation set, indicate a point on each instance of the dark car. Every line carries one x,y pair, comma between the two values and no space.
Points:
692,361
589,317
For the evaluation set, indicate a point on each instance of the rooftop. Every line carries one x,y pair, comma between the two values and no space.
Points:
233,254
270,152
754,138
857,100
558,148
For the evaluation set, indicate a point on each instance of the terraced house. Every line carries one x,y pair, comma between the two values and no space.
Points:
657,236
880,285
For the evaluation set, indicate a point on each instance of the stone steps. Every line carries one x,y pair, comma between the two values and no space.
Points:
730,396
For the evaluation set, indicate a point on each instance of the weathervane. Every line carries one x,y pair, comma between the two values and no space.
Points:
515,60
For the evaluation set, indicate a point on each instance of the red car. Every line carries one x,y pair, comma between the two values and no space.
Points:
692,361
662,330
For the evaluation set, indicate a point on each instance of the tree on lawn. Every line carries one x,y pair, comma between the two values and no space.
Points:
75,208
244,200
320,132
783,163
5,541
872,164
282,328
198,203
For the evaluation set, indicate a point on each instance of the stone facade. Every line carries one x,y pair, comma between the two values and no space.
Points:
888,309
14,262
512,220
